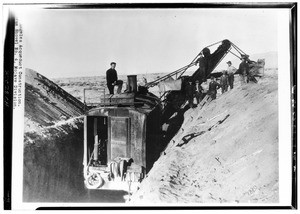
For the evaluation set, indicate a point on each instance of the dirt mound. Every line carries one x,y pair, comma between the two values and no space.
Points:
226,152
46,103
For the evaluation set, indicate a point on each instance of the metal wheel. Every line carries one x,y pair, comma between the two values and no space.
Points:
94,181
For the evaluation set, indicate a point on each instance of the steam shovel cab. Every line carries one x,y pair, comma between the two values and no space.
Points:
121,139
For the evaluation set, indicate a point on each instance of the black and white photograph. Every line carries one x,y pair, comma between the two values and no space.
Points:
158,105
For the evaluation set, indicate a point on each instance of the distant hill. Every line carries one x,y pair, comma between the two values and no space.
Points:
46,103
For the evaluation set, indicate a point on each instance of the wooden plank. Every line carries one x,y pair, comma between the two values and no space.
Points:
128,137
144,140
119,137
109,139
96,148
95,126
204,100
85,145
114,104
138,137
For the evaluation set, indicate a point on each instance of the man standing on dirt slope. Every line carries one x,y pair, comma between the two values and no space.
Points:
224,82
112,79
212,88
244,69
190,92
199,92
230,70
204,64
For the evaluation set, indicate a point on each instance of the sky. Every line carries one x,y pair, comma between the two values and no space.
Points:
73,43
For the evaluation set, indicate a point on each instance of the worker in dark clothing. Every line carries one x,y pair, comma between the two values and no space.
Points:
204,65
224,82
190,92
244,69
201,71
212,88
199,92
112,79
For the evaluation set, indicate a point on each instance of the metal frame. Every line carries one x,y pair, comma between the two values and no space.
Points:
91,89
184,69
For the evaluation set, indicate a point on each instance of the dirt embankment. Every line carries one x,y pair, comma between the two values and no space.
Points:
226,152
53,146
46,103
53,163
52,141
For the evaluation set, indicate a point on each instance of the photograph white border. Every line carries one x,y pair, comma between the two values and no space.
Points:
284,135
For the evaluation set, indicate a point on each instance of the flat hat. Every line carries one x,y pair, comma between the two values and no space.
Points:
245,56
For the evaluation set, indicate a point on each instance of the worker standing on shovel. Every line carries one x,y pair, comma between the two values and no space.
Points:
112,79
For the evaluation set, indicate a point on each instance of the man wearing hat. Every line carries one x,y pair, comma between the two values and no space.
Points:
212,88
224,82
190,92
203,64
112,79
230,71
199,92
244,69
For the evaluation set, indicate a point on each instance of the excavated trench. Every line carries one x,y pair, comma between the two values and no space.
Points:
53,145
53,170
53,167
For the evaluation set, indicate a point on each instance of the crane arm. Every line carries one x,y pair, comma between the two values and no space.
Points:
207,63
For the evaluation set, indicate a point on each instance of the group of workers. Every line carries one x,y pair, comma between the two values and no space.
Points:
226,81
194,90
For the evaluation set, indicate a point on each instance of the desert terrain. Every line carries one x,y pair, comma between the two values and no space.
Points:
224,152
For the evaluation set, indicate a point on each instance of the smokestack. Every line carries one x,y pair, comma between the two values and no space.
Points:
132,83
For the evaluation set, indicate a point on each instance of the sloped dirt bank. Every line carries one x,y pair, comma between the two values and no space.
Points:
226,152
53,163
46,103
53,146
52,141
